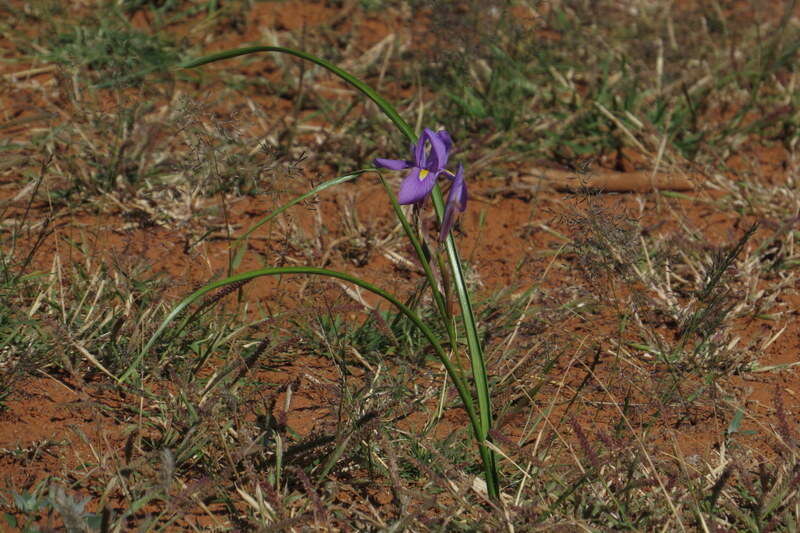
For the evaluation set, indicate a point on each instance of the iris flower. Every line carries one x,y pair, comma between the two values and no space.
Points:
425,168
456,199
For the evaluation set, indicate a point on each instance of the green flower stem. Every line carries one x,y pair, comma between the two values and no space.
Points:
426,265
475,349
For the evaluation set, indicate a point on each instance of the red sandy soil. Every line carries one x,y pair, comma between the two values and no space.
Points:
53,423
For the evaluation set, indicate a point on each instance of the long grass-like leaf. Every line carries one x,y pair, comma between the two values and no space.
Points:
452,371
370,93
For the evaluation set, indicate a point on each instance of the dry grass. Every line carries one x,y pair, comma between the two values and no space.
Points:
327,412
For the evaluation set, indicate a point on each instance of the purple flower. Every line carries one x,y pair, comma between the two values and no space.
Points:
456,199
425,168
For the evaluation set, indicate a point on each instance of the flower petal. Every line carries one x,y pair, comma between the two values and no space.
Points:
447,222
392,164
456,201
460,198
419,152
446,139
413,189
458,191
437,159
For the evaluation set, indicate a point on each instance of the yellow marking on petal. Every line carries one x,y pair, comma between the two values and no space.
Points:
423,173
